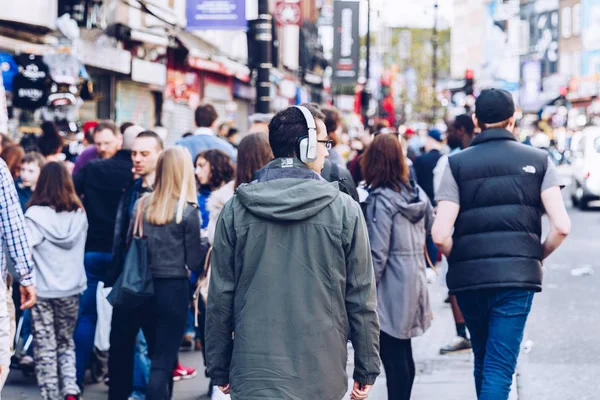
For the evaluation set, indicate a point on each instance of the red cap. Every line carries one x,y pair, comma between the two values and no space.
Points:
89,125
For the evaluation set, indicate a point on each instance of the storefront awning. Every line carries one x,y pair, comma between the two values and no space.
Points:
196,46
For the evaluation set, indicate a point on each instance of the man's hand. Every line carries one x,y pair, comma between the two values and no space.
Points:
360,391
225,389
28,297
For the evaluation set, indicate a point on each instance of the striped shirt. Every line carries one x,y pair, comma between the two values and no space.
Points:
12,225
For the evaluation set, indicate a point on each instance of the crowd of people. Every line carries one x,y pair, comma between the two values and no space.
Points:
269,253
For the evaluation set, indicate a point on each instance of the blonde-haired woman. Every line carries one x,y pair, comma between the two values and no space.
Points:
171,225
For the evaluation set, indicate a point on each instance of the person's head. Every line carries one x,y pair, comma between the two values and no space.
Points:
88,132
107,139
5,141
206,116
124,127
31,168
224,129
254,152
213,168
13,156
130,134
173,187
289,126
259,123
333,123
435,140
384,163
55,189
145,151
232,135
462,133
494,109
50,142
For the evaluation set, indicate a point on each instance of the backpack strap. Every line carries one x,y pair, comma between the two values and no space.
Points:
335,172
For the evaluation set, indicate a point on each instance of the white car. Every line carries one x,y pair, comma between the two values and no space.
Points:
585,148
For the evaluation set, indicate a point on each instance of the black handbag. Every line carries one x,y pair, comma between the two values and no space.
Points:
135,284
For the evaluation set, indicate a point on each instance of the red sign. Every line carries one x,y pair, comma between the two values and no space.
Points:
288,12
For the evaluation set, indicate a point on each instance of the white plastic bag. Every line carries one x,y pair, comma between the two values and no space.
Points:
102,338
218,395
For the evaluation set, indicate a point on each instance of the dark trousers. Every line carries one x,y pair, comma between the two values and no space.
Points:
162,319
496,321
397,358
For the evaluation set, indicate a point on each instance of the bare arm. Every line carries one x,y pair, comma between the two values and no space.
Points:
441,232
560,223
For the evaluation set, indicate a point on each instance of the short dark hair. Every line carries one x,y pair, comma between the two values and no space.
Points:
332,118
55,189
50,142
221,167
205,116
287,126
232,131
107,124
124,127
464,121
153,135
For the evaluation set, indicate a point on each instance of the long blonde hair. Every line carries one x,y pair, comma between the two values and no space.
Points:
174,186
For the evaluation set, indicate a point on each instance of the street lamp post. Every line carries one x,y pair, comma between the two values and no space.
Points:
366,91
264,40
434,61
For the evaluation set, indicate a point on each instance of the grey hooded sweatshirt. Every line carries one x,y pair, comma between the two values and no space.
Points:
292,278
398,224
57,241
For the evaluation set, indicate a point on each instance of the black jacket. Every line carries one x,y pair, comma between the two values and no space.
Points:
101,184
497,235
120,239
333,173
173,247
424,166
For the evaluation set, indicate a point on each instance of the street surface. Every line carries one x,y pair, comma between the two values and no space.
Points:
562,363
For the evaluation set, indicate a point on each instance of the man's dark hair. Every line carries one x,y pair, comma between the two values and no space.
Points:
332,119
464,121
50,142
124,127
205,116
287,126
153,135
106,124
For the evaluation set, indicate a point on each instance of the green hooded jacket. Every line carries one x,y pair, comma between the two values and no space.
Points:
292,279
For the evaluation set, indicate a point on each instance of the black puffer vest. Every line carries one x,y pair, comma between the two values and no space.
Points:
497,235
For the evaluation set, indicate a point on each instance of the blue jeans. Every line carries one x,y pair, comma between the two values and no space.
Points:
96,264
496,320
141,368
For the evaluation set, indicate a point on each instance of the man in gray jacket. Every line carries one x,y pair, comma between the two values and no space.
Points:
292,278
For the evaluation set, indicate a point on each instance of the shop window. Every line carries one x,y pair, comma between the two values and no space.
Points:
565,22
577,20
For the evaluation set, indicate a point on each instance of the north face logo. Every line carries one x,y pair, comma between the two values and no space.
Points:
530,169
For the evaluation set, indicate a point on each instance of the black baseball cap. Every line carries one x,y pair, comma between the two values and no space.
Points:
494,105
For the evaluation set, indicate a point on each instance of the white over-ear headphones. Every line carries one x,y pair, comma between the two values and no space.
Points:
307,145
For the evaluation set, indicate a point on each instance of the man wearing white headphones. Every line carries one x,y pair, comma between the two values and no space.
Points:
292,278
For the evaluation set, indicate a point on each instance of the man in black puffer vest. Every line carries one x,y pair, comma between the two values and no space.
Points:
493,195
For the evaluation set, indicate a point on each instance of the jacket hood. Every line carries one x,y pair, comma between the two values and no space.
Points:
61,229
411,202
287,190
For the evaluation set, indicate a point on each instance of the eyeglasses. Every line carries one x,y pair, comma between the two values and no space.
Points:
328,144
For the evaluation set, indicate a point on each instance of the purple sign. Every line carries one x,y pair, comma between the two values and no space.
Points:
216,14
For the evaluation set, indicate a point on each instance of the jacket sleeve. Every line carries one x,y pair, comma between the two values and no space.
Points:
195,248
379,224
361,301
34,236
219,310
79,180
119,239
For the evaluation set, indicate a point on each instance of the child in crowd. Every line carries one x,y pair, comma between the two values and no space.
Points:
30,172
56,226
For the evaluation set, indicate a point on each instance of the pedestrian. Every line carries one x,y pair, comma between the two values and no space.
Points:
333,123
171,225
13,236
233,137
30,173
56,227
254,152
399,218
259,123
223,131
493,195
213,170
204,137
292,275
100,184
13,156
460,137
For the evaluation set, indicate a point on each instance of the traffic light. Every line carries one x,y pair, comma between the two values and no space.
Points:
469,82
